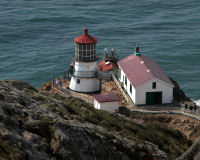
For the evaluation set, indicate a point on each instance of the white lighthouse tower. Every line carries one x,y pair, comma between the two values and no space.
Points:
85,77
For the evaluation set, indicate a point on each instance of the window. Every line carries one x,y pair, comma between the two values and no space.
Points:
154,85
119,73
78,81
125,80
84,46
130,88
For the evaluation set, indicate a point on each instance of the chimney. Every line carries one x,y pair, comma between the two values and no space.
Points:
137,52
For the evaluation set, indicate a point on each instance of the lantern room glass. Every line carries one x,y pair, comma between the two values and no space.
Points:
85,52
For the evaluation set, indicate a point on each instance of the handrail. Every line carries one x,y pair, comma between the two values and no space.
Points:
85,74
127,98
197,155
70,93
194,148
65,91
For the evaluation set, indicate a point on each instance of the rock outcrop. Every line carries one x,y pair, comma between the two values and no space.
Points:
42,125
178,93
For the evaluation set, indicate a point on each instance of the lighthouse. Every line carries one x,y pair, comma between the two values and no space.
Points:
84,76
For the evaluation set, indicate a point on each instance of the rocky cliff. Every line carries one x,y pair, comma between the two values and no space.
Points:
42,125
178,93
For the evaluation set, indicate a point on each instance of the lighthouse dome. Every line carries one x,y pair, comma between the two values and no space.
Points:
85,38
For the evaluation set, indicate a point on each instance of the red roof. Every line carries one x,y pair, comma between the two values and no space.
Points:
103,67
140,69
86,38
106,98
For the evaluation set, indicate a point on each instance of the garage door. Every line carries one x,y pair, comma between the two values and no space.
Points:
153,98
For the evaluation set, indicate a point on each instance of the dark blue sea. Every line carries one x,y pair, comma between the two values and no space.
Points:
36,37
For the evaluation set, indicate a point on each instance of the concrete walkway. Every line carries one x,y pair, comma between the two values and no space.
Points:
164,109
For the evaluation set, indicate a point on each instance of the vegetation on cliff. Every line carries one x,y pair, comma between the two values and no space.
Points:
43,125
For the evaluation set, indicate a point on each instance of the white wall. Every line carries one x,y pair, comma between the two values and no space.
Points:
167,91
85,66
139,94
96,104
85,85
127,87
121,76
107,106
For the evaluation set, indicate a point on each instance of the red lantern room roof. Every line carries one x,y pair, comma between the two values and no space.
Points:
85,38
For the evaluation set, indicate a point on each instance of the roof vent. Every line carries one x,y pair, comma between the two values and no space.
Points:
137,53
148,70
142,62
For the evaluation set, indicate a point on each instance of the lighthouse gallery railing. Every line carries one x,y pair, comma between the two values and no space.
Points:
85,74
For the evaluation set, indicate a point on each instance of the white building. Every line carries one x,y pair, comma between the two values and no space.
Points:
144,80
108,102
84,77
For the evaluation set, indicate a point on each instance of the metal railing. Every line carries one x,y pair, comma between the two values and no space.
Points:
197,155
127,98
84,97
85,74
86,59
192,152
69,93
107,75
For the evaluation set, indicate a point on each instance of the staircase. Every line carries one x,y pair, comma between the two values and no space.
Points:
125,95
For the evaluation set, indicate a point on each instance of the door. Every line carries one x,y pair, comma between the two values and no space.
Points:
153,98
149,98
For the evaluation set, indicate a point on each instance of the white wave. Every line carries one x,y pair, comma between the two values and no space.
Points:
197,102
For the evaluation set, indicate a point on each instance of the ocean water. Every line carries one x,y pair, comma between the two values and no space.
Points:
36,37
